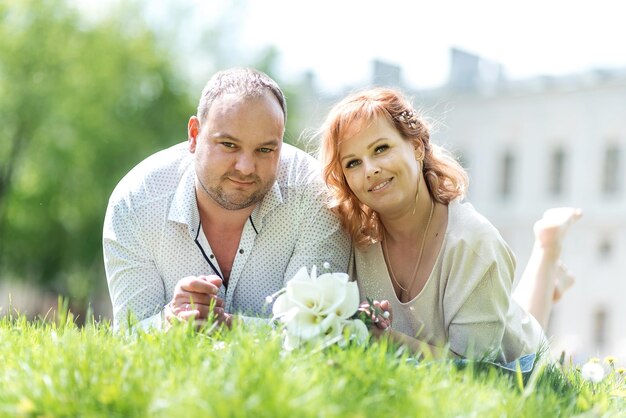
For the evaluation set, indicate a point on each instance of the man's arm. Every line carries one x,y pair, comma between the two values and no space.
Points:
135,286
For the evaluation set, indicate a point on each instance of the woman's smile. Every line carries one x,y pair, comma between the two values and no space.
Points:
380,185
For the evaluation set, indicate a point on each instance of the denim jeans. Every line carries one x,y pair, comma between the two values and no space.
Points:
526,363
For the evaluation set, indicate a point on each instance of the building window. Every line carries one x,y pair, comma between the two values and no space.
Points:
506,179
604,249
611,175
557,172
462,158
599,328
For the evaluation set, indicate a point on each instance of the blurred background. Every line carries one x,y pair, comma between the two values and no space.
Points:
530,96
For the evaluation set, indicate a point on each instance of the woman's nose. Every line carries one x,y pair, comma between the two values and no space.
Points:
373,171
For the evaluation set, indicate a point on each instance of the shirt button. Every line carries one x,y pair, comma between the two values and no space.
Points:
211,256
241,251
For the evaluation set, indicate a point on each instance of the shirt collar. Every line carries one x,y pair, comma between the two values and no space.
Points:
272,199
184,208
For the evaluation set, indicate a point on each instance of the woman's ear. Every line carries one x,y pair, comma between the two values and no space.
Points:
419,151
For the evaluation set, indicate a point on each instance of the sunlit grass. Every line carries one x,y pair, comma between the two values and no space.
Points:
55,368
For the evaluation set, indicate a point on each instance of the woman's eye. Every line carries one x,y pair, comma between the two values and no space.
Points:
380,149
352,163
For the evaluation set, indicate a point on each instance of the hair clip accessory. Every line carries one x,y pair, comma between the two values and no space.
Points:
408,117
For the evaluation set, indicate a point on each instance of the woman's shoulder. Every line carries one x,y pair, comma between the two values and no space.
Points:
477,260
468,230
465,222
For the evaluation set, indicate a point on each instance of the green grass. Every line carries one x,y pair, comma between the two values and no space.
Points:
55,368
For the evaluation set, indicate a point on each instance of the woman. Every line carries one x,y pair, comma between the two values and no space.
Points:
440,267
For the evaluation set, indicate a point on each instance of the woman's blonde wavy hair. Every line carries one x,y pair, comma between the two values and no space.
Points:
445,178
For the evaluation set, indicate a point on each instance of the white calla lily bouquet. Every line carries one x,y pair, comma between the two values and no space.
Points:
319,311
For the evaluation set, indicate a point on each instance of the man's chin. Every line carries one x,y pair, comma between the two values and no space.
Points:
234,202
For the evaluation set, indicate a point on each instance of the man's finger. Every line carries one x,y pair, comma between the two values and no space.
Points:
186,315
199,285
184,296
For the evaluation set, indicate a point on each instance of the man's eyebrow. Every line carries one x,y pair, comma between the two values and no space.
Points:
271,142
224,135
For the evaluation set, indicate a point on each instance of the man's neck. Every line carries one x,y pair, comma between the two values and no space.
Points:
222,229
223,219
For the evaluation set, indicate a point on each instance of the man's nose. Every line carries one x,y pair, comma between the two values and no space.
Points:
245,164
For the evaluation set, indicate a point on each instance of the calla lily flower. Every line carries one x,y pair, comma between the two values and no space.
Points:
319,309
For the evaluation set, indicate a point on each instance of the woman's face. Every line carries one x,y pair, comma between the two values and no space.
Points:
380,168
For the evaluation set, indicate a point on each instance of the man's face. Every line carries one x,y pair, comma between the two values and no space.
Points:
237,149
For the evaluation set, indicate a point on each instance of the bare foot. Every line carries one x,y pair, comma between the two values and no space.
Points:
550,230
563,281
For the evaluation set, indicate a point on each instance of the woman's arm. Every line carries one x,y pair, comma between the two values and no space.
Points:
418,348
381,327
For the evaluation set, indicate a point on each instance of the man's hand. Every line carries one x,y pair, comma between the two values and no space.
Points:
194,298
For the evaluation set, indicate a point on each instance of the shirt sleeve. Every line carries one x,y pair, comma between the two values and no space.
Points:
322,239
479,295
136,288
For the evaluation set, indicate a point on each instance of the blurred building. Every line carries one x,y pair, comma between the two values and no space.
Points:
534,144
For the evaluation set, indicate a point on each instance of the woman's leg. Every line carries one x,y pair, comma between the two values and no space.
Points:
545,278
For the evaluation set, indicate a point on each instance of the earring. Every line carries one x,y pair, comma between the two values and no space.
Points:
418,155
417,195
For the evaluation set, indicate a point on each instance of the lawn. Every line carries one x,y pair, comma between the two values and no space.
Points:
54,368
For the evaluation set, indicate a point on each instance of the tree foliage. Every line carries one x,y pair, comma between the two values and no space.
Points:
80,104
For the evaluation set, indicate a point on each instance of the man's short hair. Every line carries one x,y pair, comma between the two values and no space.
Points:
244,82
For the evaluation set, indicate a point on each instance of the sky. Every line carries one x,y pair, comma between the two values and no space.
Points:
338,39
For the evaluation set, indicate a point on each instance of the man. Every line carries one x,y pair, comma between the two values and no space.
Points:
222,221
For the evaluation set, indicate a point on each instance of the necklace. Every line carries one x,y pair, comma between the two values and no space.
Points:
419,257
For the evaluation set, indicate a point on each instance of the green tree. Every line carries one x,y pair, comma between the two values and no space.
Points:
80,104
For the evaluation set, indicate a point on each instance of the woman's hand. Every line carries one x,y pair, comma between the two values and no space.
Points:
380,314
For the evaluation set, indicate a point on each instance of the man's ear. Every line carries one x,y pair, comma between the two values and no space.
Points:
193,130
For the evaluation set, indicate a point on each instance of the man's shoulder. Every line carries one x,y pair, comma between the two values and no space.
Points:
157,175
297,168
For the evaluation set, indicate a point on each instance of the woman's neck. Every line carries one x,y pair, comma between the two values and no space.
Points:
409,224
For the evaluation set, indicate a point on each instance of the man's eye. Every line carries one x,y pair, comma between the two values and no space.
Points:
228,144
380,149
265,150
352,163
